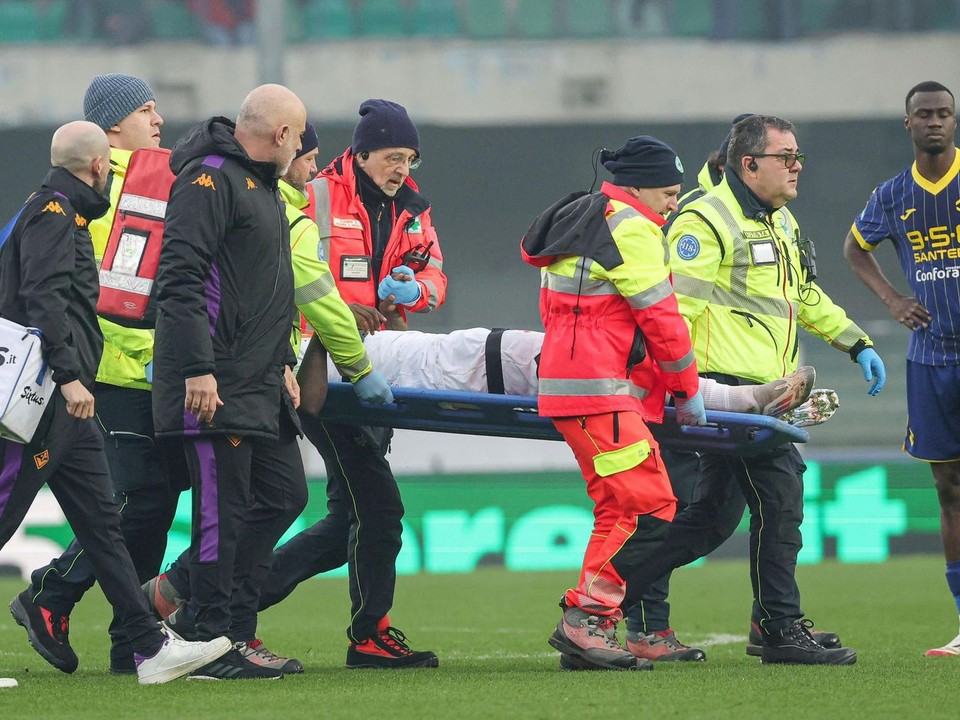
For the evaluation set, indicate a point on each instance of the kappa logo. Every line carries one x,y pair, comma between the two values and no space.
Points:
80,221
911,211
41,459
235,440
54,206
251,185
204,181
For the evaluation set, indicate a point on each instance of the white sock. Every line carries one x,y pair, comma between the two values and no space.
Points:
716,396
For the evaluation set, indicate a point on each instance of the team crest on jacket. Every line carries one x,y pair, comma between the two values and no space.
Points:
41,459
688,247
204,181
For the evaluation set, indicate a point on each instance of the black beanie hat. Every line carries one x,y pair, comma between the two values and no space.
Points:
308,140
643,162
384,124
725,145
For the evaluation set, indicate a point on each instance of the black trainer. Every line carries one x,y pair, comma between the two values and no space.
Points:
795,645
49,634
828,640
387,649
233,666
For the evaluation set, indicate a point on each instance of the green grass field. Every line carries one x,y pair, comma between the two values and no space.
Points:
490,629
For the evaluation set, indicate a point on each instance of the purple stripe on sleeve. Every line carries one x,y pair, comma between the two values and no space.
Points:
12,459
214,161
191,425
209,509
212,292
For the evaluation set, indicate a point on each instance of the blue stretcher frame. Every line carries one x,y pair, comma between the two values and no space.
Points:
472,413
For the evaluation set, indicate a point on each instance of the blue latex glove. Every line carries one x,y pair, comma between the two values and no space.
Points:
148,371
373,388
405,292
873,369
690,410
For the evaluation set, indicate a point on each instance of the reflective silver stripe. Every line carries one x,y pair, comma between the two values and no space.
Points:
354,369
652,296
600,386
676,366
321,206
613,222
741,257
315,290
431,297
434,262
848,338
692,287
151,207
774,307
580,283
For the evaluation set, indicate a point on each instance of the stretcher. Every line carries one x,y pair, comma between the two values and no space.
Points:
472,413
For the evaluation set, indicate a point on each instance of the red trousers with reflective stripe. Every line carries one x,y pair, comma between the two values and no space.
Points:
618,498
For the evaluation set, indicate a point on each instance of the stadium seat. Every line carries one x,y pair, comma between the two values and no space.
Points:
485,19
293,21
382,18
535,18
53,18
692,18
19,22
434,18
328,19
172,20
588,18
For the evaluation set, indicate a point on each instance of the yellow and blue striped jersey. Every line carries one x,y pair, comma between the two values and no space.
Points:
922,219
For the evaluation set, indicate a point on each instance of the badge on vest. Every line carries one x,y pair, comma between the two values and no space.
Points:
349,223
354,267
763,252
688,247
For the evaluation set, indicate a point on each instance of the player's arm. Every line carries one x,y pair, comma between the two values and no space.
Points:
905,309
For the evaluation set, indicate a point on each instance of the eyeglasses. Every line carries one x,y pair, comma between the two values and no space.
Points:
789,159
396,159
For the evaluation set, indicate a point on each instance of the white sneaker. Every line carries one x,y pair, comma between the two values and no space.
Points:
951,648
177,658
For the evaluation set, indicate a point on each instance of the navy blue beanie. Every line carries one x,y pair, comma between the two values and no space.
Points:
308,140
725,145
384,124
110,98
643,162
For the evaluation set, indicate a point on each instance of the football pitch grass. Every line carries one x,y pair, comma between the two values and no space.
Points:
490,628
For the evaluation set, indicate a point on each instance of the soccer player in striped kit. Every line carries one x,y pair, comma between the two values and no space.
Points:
919,212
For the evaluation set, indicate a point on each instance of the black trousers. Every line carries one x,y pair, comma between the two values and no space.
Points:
68,455
771,485
148,476
362,527
246,493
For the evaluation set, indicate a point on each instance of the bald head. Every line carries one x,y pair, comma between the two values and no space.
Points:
271,120
81,148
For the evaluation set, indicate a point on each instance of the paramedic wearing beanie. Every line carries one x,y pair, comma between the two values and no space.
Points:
147,474
614,344
745,293
371,216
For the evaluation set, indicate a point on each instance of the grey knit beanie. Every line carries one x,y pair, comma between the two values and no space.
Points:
110,98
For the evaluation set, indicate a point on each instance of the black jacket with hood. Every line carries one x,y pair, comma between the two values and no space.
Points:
48,275
225,288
